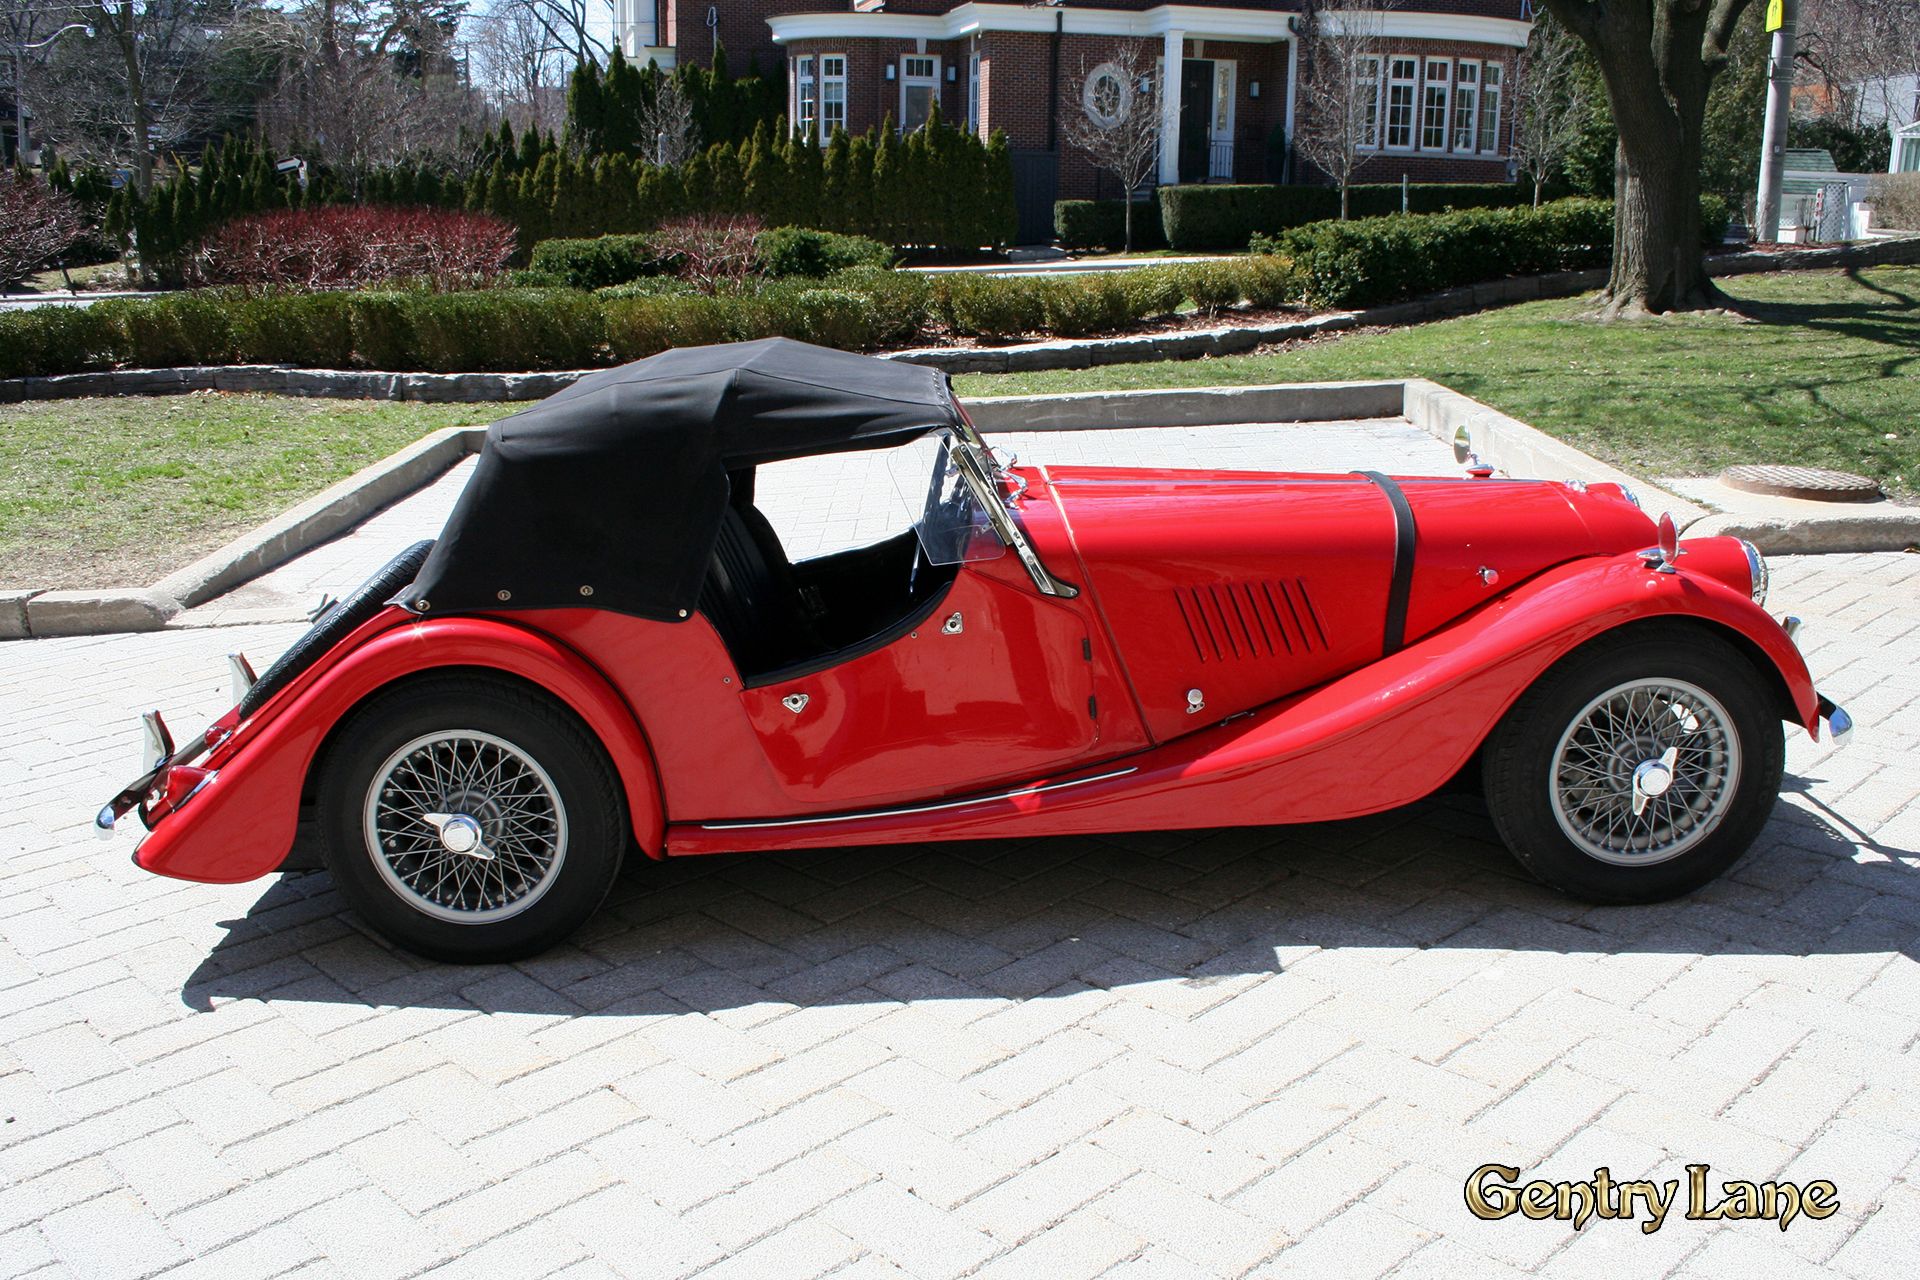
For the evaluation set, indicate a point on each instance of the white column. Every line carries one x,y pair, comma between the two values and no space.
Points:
1293,77
1171,61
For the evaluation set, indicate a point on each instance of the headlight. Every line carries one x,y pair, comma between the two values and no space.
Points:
1756,571
1631,496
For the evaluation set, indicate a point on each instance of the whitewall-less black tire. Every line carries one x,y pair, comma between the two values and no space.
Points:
1639,767
470,819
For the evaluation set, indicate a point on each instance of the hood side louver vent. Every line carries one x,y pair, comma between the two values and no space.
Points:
1238,621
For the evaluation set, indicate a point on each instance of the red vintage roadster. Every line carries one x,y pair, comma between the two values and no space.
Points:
608,648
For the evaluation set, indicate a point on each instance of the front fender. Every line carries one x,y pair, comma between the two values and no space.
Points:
242,822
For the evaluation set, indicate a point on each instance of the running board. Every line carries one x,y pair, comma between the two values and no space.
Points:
713,837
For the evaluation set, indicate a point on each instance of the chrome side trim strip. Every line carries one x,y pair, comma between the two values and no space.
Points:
918,808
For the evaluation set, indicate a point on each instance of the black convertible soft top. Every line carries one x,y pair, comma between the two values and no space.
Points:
609,494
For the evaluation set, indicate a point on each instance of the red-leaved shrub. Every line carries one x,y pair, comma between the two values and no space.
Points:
36,224
715,251
347,246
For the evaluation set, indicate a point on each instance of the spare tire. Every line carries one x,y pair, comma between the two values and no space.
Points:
333,626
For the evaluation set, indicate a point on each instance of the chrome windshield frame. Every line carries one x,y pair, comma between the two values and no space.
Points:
986,478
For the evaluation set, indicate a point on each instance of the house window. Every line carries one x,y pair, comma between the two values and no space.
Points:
1909,155
1105,95
1490,107
1401,74
919,82
973,93
833,94
1466,96
1366,83
1433,109
806,103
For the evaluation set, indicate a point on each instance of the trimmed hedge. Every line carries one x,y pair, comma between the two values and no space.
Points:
801,251
1225,217
606,261
1101,224
1369,261
595,263
524,328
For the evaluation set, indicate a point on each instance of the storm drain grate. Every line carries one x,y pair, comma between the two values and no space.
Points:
1802,482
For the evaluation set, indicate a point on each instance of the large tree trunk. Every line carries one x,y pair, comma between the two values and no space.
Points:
1658,58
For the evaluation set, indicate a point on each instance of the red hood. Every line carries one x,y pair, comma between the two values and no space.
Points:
1251,585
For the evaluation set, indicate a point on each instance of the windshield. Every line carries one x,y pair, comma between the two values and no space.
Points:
946,512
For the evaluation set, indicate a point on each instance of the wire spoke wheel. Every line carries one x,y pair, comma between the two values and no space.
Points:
465,826
1645,771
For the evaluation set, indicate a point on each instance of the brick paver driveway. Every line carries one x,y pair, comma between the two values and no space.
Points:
1211,1053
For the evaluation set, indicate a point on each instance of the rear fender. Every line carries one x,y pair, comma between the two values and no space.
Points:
242,822
1381,737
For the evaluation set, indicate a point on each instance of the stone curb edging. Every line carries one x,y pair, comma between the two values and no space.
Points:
1077,353
326,515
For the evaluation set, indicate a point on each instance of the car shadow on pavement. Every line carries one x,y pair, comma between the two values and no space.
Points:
1021,919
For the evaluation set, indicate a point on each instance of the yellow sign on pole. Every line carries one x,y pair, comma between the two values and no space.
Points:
1776,14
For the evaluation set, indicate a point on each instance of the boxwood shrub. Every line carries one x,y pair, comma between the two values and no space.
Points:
800,251
1101,224
595,263
1225,217
1368,261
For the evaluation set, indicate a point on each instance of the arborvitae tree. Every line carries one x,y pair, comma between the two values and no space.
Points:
1003,222
586,107
623,98
760,176
836,183
887,197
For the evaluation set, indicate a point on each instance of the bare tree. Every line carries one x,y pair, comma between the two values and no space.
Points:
1549,102
1867,54
520,63
1339,111
668,122
1118,124
583,27
37,223
362,84
136,83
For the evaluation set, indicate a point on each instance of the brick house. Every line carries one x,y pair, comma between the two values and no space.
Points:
1440,90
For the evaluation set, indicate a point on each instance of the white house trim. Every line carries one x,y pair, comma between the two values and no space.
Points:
1439,26
971,19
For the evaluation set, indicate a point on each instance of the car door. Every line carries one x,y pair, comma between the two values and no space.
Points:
993,686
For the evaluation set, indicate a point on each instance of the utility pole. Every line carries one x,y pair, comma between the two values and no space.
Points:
1783,19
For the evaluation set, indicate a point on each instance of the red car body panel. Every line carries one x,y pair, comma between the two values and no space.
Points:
1039,714
242,823
1387,734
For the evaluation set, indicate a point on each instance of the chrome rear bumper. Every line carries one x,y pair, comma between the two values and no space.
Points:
1839,723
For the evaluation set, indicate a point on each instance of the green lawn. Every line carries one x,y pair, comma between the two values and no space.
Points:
119,492
1823,370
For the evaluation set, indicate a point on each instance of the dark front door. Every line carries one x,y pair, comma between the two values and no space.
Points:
1196,116
1036,183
